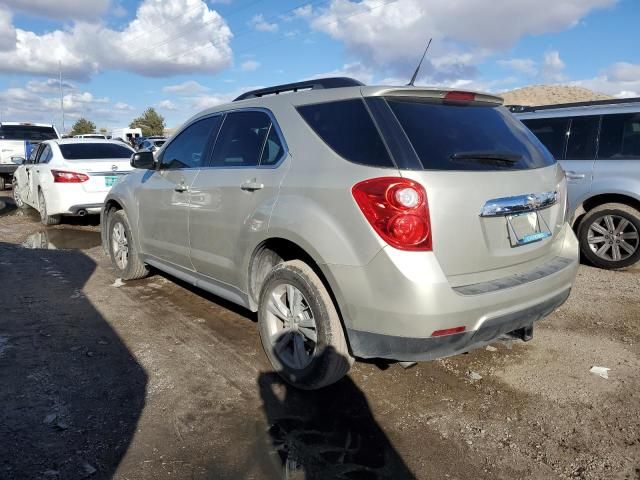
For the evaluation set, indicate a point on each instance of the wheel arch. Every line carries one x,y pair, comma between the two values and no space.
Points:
601,199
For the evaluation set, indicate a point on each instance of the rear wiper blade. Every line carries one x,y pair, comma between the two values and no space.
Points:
505,157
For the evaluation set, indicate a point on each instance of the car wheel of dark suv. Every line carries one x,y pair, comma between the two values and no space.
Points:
610,236
300,328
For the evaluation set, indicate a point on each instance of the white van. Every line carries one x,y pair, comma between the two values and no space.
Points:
17,141
92,135
126,134
598,145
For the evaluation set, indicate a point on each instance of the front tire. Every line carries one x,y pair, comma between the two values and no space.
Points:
45,218
610,236
122,250
16,196
300,329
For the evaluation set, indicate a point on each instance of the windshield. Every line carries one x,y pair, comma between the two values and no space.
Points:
27,132
468,137
89,151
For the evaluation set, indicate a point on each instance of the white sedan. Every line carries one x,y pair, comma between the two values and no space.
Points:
70,177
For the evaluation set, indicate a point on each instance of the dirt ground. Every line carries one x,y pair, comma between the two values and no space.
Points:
154,379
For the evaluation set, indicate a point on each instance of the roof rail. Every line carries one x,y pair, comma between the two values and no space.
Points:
535,108
314,84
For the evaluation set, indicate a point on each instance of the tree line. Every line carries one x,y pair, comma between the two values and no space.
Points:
150,122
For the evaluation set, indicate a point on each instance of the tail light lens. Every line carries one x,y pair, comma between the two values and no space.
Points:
456,96
398,211
60,176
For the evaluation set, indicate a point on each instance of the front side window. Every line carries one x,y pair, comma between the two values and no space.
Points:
188,149
552,132
583,138
620,137
45,156
348,129
241,139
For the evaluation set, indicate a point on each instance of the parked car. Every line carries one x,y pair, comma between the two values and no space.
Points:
401,223
152,144
17,141
70,177
598,145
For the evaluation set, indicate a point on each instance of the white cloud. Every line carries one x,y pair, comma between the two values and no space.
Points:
526,66
624,72
354,70
259,23
7,30
391,35
249,66
87,48
60,9
553,67
620,80
304,12
124,107
167,105
189,87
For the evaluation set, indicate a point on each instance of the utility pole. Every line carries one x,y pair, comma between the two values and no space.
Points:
61,94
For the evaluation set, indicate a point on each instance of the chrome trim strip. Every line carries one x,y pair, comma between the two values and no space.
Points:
549,268
499,207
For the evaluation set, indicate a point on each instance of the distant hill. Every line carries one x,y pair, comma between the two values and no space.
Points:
550,94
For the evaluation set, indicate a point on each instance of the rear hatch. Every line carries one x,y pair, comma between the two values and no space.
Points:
476,163
103,172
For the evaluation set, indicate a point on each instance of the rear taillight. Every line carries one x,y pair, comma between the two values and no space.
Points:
60,176
398,211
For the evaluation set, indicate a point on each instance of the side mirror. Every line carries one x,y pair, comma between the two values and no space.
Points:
144,160
18,160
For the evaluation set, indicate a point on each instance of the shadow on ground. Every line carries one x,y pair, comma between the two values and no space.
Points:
72,393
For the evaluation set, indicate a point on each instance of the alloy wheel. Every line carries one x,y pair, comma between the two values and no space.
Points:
613,238
120,245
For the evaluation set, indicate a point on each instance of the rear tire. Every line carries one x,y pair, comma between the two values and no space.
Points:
609,236
124,256
294,302
45,218
16,196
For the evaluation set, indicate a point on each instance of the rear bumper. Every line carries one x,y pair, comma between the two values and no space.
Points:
393,305
70,199
93,208
373,345
8,169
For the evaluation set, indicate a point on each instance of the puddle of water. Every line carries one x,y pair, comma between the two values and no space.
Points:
67,239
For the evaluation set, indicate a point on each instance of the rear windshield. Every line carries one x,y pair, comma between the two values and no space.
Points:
89,151
27,132
468,137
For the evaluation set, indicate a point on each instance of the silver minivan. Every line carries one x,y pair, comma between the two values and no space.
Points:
401,223
598,145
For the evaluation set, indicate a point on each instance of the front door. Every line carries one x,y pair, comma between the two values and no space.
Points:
232,199
164,194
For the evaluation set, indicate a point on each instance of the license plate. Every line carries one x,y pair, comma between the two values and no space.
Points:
526,228
110,181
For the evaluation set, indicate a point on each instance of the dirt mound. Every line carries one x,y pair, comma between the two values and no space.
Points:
550,94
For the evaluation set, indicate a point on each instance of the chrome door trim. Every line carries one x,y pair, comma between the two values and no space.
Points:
499,207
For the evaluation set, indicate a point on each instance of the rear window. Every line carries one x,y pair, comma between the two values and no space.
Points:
89,151
27,132
468,137
348,129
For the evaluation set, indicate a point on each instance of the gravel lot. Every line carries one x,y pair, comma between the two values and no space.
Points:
153,379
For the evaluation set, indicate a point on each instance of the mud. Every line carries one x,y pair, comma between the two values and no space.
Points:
156,379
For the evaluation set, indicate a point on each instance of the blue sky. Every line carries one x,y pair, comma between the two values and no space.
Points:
119,57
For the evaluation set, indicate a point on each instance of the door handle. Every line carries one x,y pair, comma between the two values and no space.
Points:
573,175
252,186
181,188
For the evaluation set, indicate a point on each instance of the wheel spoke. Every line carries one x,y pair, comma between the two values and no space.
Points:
630,249
598,228
309,333
608,220
622,225
629,236
596,239
307,322
278,308
616,252
603,250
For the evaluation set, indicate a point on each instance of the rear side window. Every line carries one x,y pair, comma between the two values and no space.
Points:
583,138
620,136
468,137
88,151
46,155
189,148
552,132
348,129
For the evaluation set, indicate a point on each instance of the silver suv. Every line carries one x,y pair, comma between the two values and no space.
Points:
401,223
598,144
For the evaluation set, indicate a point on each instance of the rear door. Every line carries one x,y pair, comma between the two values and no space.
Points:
163,195
478,163
232,199
23,175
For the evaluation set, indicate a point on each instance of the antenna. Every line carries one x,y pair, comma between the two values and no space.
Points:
415,74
